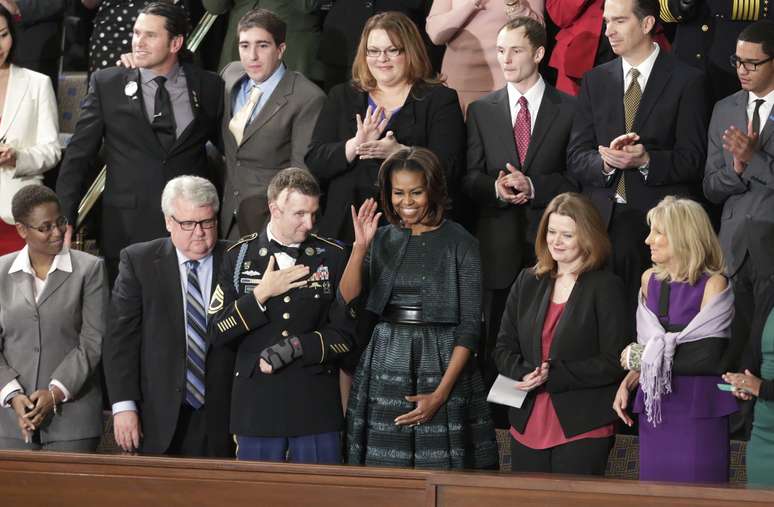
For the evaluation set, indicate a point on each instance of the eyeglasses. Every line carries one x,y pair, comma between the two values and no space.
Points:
44,228
748,66
390,52
189,225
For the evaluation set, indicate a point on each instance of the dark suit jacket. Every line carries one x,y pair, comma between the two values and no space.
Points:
589,338
504,230
671,122
144,352
431,117
138,166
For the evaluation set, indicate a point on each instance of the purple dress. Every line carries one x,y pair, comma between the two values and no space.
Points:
691,444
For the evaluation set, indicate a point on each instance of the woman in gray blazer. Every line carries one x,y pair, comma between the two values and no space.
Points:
52,307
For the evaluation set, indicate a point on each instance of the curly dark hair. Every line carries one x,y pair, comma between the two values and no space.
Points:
28,198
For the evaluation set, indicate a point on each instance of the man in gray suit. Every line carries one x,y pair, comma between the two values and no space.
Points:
740,160
741,140
270,113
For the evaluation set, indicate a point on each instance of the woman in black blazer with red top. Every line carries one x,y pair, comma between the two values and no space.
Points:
560,338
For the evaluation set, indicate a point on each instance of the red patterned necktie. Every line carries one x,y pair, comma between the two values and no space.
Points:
521,129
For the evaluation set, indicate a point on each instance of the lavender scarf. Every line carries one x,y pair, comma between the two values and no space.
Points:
712,321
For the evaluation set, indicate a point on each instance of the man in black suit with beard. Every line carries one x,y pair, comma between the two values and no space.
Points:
152,125
516,165
640,134
170,393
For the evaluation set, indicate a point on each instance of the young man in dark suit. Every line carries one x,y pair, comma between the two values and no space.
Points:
152,124
170,393
640,133
516,164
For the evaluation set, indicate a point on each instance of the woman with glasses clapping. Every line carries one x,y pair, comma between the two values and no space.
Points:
52,307
393,101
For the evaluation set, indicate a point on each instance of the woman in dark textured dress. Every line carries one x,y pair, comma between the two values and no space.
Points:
683,326
417,400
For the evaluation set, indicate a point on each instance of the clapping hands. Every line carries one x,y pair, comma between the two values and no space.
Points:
513,186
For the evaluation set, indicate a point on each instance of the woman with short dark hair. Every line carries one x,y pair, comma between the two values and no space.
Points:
417,400
563,329
52,319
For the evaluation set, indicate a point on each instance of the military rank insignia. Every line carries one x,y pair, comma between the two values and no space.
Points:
216,303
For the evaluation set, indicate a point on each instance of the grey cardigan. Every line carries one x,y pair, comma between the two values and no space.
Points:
451,293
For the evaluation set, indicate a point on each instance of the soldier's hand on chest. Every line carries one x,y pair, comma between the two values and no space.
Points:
278,281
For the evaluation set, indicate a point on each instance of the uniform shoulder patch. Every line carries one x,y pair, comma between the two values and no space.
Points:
243,239
338,244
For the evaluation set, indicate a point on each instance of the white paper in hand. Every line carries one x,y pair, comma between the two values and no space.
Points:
504,392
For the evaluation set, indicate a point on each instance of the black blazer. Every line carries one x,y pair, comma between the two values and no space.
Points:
589,338
144,350
431,117
671,122
138,166
504,230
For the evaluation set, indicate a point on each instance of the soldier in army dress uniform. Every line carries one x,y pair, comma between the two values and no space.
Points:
277,295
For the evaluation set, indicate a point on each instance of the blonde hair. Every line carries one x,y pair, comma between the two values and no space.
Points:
404,34
589,228
695,246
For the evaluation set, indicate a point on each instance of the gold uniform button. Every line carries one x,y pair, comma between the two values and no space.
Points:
286,316
285,332
704,28
698,55
286,299
317,296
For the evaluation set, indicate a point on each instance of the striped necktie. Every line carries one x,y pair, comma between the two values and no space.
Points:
196,326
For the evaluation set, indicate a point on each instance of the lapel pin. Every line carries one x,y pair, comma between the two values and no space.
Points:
130,89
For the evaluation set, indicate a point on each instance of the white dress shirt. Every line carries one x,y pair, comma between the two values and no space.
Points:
534,98
62,262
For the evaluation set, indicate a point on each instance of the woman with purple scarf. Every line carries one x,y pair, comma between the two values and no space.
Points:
683,325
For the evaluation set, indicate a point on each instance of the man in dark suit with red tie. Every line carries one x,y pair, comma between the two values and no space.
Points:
152,125
640,134
516,165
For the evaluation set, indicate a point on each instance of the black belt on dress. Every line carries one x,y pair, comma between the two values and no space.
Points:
397,314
